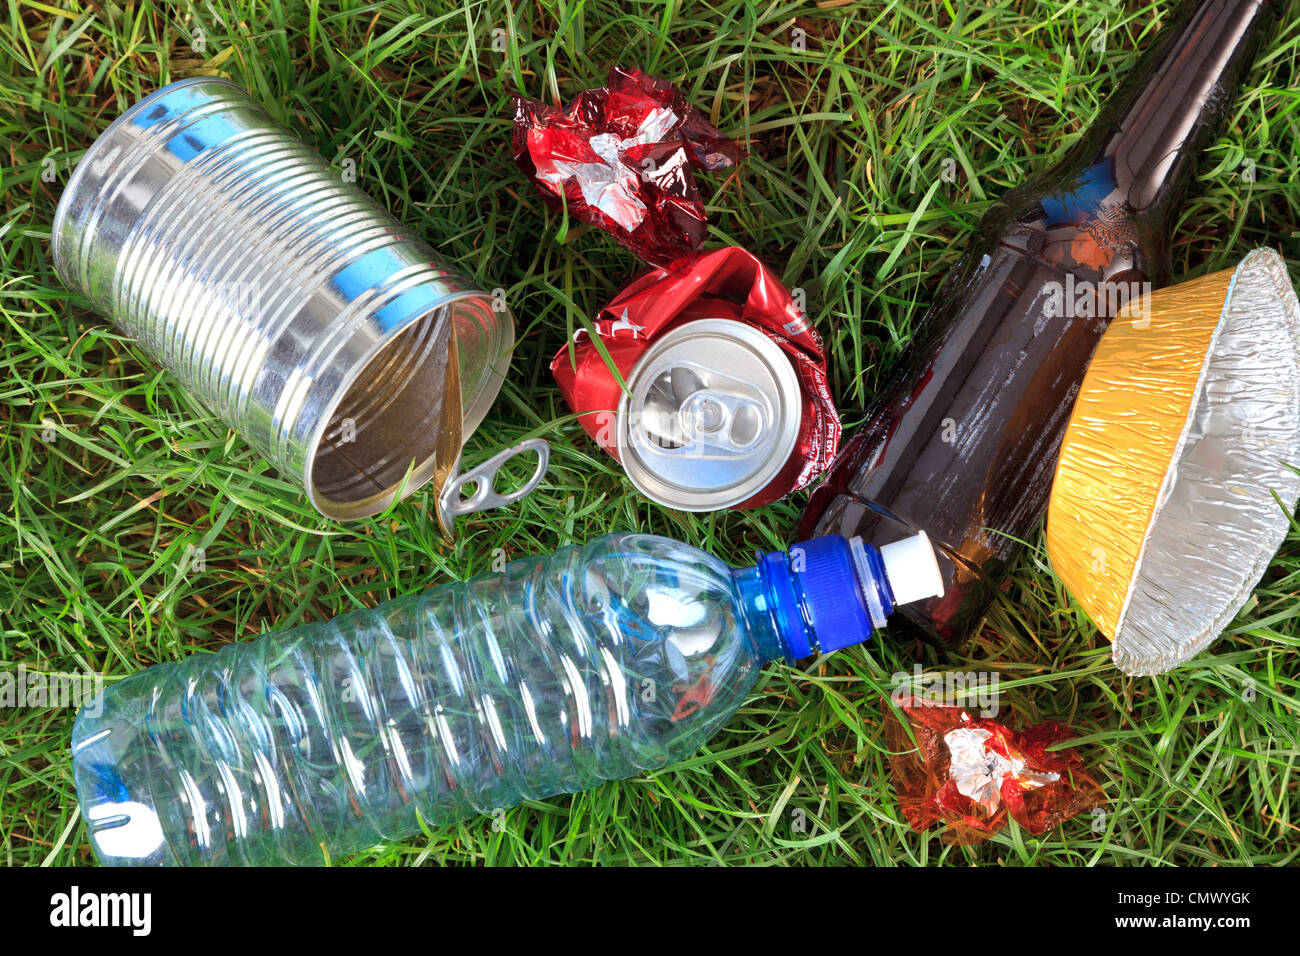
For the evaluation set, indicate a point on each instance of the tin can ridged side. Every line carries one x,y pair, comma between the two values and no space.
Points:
280,295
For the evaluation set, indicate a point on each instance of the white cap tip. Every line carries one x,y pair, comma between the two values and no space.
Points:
912,569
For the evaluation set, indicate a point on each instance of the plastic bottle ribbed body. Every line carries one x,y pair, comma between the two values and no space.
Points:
550,676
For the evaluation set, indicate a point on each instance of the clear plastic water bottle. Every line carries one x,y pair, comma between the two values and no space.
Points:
596,663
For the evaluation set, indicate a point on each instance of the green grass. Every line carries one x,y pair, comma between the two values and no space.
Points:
842,193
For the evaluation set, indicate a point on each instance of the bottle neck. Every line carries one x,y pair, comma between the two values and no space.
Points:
1149,135
1103,213
756,608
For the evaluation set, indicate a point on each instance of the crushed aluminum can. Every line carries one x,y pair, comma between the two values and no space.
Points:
727,403
711,416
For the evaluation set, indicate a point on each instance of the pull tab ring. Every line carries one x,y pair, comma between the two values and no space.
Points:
484,477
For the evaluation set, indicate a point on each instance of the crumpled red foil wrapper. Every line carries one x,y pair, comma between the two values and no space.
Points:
723,283
928,792
623,158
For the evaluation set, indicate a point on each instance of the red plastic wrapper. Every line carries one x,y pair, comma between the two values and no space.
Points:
623,158
972,773
723,283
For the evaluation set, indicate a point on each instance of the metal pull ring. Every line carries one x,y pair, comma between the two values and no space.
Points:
484,477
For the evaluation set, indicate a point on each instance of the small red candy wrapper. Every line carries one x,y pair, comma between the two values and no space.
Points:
622,158
723,283
972,773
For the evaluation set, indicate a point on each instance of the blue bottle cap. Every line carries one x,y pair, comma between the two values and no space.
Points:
827,594
832,597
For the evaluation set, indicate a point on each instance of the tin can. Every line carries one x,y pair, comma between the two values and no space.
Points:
711,417
288,302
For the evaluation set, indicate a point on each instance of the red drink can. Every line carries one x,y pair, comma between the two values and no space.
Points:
727,403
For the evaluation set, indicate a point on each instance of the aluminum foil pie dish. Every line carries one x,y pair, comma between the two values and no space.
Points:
1177,475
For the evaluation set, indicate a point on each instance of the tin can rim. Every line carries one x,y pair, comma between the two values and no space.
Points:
424,471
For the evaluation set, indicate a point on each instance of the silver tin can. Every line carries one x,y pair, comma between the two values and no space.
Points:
710,417
292,305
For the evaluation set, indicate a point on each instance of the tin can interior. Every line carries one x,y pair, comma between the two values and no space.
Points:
401,412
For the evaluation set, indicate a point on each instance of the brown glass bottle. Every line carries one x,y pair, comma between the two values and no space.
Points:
963,442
